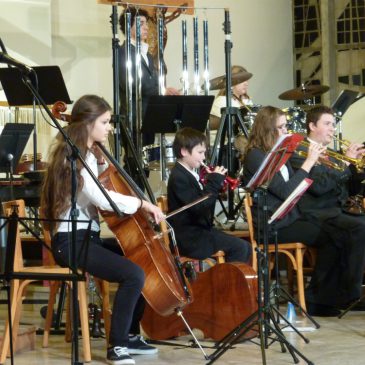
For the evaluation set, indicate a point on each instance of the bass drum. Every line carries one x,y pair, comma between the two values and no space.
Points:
353,122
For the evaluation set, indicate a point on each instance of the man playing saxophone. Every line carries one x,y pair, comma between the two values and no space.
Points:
340,264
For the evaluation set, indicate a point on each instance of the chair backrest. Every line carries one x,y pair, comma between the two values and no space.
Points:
8,208
251,229
48,258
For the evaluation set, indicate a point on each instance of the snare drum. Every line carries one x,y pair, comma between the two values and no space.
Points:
152,155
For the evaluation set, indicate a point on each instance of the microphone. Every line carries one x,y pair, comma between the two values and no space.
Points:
5,58
9,157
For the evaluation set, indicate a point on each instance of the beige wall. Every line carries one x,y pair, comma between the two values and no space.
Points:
76,35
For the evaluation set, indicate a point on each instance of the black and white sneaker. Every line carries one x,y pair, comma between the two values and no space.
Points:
119,356
138,346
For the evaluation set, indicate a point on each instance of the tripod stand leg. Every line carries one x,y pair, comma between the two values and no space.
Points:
281,292
351,306
280,315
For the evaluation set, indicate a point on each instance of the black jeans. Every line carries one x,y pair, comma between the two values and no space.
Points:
110,266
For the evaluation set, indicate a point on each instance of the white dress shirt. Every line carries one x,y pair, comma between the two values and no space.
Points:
90,198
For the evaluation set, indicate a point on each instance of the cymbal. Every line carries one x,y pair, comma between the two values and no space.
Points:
220,82
304,92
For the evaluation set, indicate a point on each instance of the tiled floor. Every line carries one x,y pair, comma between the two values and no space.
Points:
338,341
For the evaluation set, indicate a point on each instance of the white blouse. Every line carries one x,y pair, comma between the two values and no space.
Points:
90,198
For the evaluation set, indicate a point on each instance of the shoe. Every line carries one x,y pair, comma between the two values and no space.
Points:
119,356
322,310
138,346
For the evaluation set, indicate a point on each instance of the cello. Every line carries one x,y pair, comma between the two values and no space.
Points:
224,296
165,289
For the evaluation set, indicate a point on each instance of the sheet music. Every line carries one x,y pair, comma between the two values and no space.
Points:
291,200
266,162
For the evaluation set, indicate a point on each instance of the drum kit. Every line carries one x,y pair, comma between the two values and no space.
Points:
295,116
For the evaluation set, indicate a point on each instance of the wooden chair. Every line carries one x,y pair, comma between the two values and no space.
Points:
294,252
103,288
163,204
19,286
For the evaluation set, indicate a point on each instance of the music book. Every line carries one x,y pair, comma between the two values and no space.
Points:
291,200
275,159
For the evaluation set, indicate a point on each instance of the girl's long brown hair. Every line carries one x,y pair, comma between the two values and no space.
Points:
56,188
264,133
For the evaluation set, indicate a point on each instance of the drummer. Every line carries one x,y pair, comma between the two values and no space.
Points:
240,97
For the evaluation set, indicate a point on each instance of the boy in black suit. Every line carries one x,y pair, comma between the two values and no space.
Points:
195,234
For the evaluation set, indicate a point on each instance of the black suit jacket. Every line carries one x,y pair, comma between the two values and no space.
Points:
278,189
193,225
325,197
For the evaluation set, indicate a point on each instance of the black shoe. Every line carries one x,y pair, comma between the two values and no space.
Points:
138,346
119,356
321,310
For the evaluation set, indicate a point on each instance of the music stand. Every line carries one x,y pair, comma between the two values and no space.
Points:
48,78
13,140
263,317
344,100
167,114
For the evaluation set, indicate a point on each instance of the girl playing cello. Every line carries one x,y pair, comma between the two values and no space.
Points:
90,123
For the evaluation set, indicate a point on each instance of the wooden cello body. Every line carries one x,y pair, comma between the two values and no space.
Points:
164,289
224,296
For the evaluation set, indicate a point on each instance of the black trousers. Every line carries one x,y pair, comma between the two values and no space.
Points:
340,263
111,266
299,231
235,249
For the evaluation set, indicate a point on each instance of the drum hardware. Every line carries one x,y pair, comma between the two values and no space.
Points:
152,156
295,117
304,92
237,78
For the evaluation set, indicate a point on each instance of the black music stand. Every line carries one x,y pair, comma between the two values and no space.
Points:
47,79
343,101
263,317
13,140
167,114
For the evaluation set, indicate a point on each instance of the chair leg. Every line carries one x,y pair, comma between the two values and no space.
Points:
6,337
104,292
84,321
54,287
300,278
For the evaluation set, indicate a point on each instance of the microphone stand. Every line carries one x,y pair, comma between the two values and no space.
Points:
73,157
225,127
